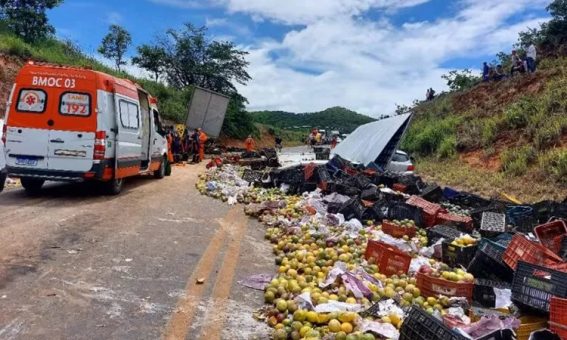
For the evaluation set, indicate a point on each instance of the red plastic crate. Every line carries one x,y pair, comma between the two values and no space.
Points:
430,210
394,230
399,187
520,248
433,286
558,316
390,260
551,234
465,222
561,267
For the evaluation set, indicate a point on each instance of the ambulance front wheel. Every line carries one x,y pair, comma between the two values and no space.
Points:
32,185
160,173
167,167
114,187
2,180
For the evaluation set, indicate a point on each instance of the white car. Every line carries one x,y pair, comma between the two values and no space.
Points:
401,164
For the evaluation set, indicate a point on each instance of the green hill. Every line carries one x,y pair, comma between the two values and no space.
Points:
335,118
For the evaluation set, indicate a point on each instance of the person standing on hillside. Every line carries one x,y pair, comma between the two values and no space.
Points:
531,58
517,64
249,144
485,72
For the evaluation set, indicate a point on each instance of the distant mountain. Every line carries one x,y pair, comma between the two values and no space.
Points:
335,118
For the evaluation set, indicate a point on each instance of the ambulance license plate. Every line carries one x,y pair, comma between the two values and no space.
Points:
26,161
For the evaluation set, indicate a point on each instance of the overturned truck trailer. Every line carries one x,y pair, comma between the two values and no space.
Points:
374,143
207,110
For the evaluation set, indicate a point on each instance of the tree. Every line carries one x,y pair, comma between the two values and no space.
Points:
192,60
460,80
115,44
551,34
152,59
556,28
27,18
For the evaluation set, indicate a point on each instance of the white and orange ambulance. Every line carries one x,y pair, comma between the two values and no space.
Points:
76,124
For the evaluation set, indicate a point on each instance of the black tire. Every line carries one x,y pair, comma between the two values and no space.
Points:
114,186
167,167
32,185
3,176
160,173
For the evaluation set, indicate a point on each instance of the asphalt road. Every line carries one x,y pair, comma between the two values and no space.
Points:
78,265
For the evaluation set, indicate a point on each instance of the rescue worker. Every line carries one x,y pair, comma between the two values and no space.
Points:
318,138
187,145
169,152
312,140
196,141
202,140
334,142
249,144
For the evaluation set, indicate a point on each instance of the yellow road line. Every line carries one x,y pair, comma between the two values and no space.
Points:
223,284
186,307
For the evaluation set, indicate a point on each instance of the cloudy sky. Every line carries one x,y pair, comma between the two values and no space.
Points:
307,55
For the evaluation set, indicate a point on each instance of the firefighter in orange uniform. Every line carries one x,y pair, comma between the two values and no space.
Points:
202,140
169,153
249,143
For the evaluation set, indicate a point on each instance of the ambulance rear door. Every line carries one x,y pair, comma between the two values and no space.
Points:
72,137
27,133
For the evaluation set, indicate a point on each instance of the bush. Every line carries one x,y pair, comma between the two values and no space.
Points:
425,137
447,148
238,123
547,135
461,80
489,131
554,101
552,63
469,135
515,161
12,45
554,164
518,114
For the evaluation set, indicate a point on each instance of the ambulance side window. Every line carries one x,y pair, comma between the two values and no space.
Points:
157,124
32,101
129,115
75,104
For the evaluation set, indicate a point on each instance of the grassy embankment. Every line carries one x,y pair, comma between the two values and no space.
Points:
506,137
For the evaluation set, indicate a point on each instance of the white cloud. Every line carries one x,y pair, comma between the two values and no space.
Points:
114,18
238,29
333,54
180,3
216,22
305,12
369,66
129,68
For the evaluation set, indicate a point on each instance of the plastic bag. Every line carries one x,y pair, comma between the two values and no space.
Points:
385,330
336,306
